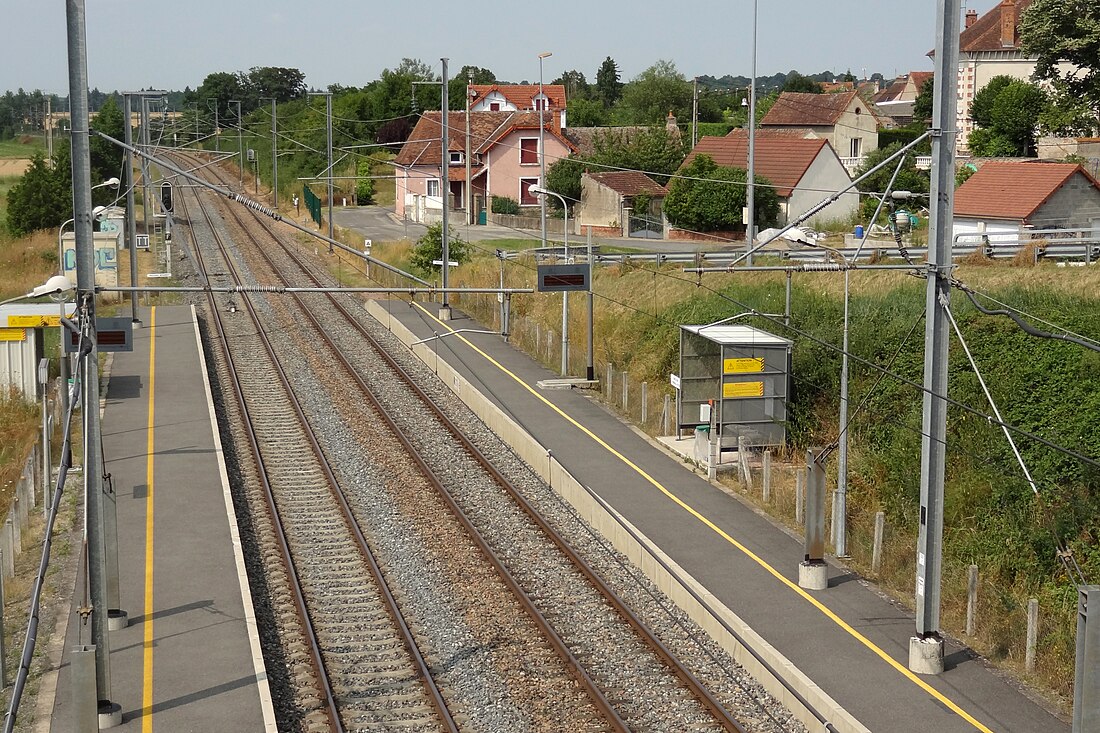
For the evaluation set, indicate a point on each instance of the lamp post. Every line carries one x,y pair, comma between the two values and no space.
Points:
542,158
750,202
544,192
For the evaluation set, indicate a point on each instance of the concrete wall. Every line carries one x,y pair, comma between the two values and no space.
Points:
1076,205
856,122
824,174
722,624
599,206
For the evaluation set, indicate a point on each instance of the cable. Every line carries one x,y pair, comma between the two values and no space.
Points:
1024,325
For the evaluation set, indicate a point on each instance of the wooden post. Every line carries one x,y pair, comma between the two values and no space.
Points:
971,599
610,381
666,416
550,345
626,391
876,551
743,462
767,476
645,403
3,646
1032,634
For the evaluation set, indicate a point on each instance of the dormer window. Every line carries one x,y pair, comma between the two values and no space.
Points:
457,157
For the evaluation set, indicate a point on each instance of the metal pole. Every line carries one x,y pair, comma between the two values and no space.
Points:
274,154
565,301
131,225
694,111
217,129
469,166
590,374
85,284
926,648
445,193
750,197
542,156
840,512
1086,685
240,145
145,170
328,115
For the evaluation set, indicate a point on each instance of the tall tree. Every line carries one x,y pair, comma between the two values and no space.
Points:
798,83
106,156
651,95
43,197
282,83
922,107
456,88
1007,113
707,197
608,86
576,86
1057,31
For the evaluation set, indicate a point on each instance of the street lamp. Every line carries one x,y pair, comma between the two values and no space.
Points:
542,156
543,192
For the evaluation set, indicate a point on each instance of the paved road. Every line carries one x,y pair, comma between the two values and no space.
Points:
380,224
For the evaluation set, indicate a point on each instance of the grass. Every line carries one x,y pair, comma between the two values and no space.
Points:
22,146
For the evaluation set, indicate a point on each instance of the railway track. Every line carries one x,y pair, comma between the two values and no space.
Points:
608,650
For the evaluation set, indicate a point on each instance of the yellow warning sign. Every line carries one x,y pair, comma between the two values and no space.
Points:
13,334
743,366
742,389
34,321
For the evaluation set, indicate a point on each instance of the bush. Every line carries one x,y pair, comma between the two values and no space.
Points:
364,186
429,248
505,205
715,204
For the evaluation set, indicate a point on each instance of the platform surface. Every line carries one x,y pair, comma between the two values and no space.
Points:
849,640
190,659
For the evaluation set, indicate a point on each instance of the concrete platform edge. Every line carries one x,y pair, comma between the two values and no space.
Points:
671,583
263,689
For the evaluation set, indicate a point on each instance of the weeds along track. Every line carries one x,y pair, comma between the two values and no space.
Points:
517,630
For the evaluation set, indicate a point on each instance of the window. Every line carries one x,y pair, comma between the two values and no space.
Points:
494,106
540,103
457,157
529,151
857,146
526,198
433,187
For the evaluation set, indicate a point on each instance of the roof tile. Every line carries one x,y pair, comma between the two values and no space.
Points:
629,183
783,160
803,108
1013,190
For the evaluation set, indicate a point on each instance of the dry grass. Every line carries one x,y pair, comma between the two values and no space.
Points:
19,426
26,262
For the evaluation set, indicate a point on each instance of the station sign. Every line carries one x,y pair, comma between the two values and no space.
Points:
564,278
112,334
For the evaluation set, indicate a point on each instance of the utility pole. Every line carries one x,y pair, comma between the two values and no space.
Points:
145,202
445,193
750,202
131,227
926,648
274,154
328,116
240,144
694,111
469,186
85,296
49,128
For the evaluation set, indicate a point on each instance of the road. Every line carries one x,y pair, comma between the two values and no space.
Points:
379,223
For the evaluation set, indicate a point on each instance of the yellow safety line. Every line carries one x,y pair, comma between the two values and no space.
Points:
954,707
147,686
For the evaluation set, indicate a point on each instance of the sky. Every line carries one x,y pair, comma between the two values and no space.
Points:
170,45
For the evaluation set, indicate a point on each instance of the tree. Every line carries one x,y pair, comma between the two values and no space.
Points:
576,86
1057,31
429,248
922,107
107,157
654,93
706,197
42,197
908,179
284,84
456,87
364,185
222,86
392,94
798,83
583,112
1007,113
608,86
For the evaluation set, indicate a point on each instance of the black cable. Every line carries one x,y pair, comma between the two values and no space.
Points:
1027,327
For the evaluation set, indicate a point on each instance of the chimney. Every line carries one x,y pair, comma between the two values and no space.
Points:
971,17
1008,23
670,124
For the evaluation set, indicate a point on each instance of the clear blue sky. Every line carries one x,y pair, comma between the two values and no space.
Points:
170,45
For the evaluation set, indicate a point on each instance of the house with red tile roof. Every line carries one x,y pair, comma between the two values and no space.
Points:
1003,200
845,120
607,196
504,161
518,98
803,170
896,101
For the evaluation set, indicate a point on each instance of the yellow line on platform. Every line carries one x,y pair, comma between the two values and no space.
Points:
829,613
147,657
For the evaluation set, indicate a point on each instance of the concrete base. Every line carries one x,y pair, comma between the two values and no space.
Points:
567,383
445,313
110,714
813,575
117,619
926,655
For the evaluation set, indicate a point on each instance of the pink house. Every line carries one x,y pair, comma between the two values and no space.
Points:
504,161
518,98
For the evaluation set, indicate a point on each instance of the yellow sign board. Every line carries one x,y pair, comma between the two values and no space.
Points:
743,366
34,321
742,389
13,334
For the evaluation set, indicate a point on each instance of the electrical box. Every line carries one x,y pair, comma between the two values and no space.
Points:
745,373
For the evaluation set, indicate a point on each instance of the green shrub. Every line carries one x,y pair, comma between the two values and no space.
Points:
505,205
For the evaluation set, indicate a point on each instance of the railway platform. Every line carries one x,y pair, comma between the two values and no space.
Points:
190,657
848,642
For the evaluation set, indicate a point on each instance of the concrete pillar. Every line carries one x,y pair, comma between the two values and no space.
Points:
876,550
813,572
971,599
1032,634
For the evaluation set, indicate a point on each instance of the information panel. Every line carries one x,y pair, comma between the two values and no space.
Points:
563,278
